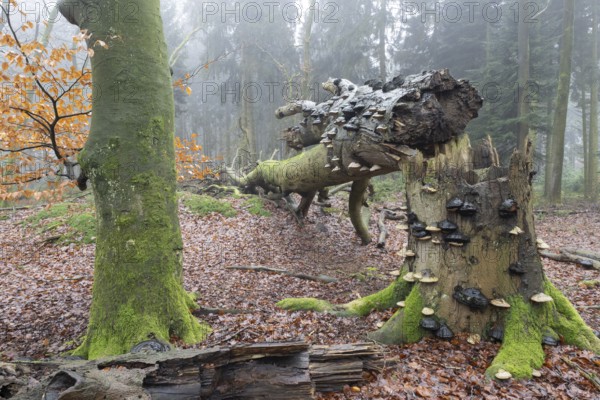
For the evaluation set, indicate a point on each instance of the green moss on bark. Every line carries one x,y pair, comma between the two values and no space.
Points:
521,349
386,298
404,326
130,160
567,322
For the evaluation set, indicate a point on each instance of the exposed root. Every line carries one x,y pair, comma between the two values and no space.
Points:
404,326
525,325
521,350
386,298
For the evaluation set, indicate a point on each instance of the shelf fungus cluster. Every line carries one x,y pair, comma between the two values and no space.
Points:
448,230
425,276
431,323
464,208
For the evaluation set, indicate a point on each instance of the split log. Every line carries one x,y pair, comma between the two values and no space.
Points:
584,262
258,268
283,371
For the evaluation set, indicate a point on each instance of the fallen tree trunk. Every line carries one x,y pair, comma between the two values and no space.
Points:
293,370
564,256
360,133
583,253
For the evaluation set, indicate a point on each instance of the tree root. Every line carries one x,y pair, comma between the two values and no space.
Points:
522,350
404,326
594,380
386,298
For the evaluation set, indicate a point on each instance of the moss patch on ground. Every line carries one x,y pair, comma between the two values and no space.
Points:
73,222
387,187
305,304
203,205
256,206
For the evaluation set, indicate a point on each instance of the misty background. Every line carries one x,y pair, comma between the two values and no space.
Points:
244,59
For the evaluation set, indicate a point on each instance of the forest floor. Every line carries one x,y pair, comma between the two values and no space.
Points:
46,271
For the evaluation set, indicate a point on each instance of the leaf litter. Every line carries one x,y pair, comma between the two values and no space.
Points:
46,293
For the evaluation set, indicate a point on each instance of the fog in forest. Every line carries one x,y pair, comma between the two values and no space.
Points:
234,63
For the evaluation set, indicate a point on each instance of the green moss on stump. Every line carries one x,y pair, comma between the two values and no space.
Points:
521,349
404,326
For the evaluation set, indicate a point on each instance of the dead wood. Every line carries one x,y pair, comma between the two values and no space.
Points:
580,252
594,380
587,263
220,311
292,370
318,278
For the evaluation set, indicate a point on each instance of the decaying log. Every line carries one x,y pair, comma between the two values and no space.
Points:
258,268
563,256
366,131
292,370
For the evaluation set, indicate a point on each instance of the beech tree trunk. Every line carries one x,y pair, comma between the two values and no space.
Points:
361,132
130,160
523,80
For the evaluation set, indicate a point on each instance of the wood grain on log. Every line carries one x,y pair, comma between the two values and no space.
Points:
293,370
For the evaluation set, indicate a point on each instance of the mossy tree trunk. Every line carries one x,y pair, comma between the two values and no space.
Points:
129,159
482,276
365,131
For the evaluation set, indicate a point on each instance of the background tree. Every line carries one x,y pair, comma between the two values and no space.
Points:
553,187
129,158
591,183
44,113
